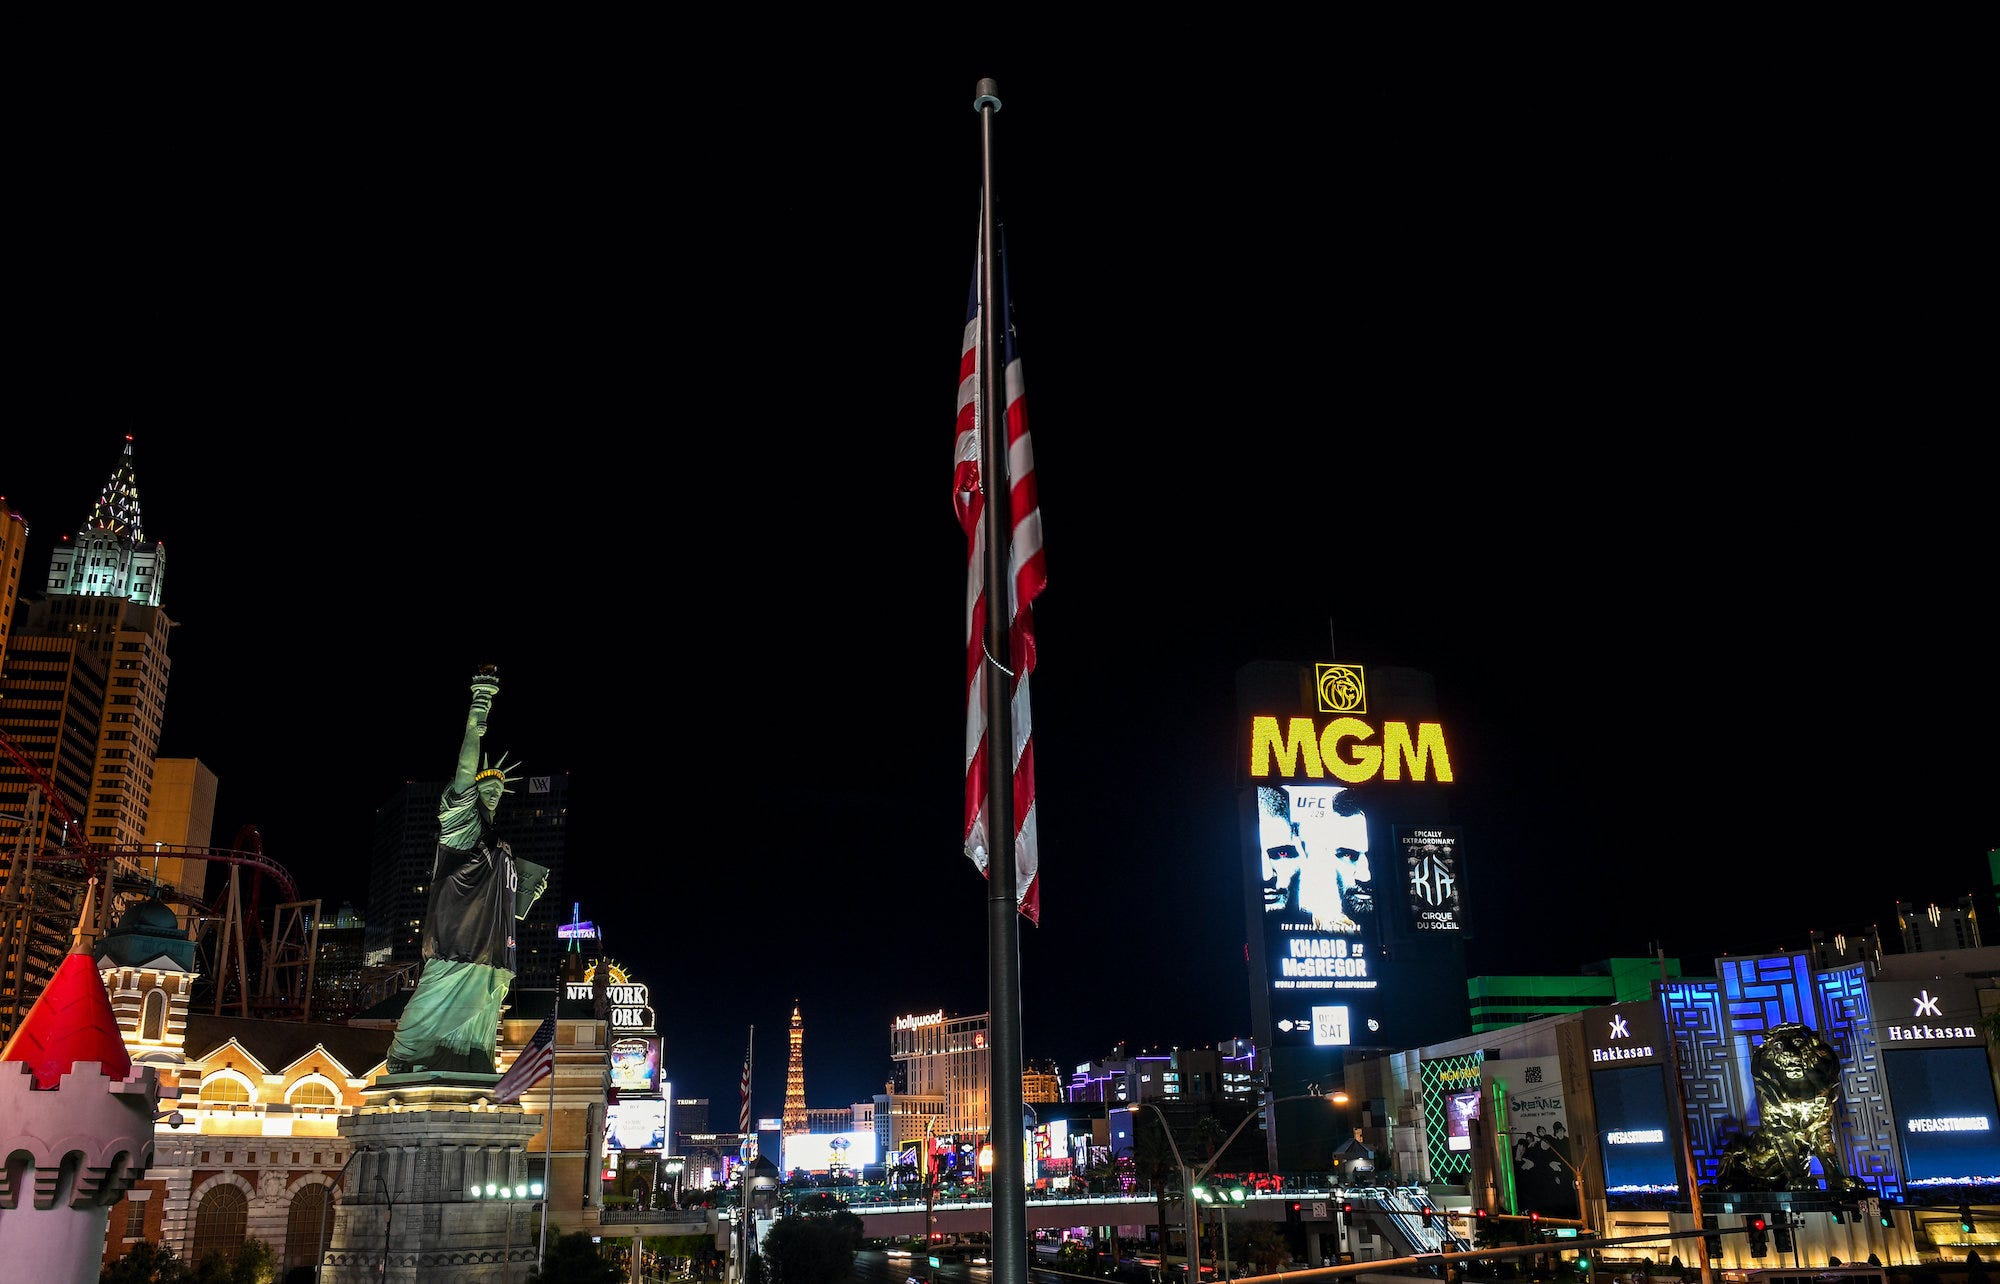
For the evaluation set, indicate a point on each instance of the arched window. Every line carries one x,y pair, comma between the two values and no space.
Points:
314,1093
220,1222
220,1087
153,1016
306,1226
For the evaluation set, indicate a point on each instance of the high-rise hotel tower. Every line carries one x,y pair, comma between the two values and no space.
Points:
83,694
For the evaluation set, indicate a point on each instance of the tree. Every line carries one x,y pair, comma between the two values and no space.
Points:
816,1248
251,1262
573,1259
1153,1160
1263,1246
146,1263
1209,1134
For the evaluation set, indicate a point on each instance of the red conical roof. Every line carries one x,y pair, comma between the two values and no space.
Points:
71,1022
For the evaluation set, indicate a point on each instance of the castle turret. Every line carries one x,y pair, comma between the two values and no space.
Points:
74,1104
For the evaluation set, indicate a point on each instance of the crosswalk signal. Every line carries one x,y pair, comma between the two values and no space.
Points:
1760,1242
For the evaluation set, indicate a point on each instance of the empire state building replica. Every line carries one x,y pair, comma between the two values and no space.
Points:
83,691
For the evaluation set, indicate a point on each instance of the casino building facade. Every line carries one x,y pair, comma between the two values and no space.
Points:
1642,1093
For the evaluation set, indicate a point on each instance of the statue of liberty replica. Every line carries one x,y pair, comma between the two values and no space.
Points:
478,891
431,1141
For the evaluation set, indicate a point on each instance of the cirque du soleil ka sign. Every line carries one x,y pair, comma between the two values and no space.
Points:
1345,746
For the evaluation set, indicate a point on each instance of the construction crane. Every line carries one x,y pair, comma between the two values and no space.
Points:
49,867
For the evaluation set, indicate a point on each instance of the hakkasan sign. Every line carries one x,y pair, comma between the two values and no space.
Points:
1344,746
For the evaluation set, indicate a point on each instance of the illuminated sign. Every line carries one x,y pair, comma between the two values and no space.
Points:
629,1000
1635,1111
1430,878
1942,1010
1330,1028
1625,1032
912,1022
821,1152
1323,753
636,1123
1944,1099
635,1065
576,929
773,1124
1461,1108
1339,749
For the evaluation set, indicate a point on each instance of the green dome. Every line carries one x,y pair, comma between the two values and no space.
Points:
151,917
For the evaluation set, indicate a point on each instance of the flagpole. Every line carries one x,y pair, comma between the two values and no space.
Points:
1003,946
744,1119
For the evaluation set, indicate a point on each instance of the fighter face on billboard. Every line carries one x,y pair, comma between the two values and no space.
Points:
1315,855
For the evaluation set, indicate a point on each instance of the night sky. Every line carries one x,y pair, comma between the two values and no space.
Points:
1633,422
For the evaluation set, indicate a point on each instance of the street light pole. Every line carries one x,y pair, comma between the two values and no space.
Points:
1221,1198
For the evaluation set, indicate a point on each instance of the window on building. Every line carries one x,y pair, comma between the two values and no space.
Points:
312,1093
135,1219
221,1221
153,1016
306,1226
223,1088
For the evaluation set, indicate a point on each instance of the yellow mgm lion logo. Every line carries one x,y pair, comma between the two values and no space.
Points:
1796,1075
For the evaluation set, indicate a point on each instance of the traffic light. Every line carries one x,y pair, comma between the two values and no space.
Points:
1965,1218
1292,1211
1712,1236
1781,1233
1760,1243
1583,1263
1883,1211
1426,1214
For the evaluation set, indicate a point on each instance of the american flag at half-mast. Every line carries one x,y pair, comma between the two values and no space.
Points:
1029,576
535,1063
743,1119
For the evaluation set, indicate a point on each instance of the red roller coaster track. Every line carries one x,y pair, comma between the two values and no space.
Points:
78,857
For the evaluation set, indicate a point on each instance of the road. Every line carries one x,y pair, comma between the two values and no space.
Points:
873,1266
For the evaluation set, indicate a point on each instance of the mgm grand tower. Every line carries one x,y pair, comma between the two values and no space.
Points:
1351,880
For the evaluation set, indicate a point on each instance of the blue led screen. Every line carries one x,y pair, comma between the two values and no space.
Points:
1944,1115
1637,1130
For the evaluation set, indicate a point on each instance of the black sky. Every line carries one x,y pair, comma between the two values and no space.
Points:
1631,413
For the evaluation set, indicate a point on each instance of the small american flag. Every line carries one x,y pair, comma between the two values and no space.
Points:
1024,560
743,1120
535,1063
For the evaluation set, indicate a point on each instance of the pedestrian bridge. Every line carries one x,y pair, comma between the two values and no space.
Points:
1397,1208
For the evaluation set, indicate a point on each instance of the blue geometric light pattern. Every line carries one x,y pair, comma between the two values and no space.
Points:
1694,1023
1758,994
1864,1122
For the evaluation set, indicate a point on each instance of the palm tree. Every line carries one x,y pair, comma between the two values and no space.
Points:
1153,1159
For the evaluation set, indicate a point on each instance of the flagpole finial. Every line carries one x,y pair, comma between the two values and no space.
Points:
987,92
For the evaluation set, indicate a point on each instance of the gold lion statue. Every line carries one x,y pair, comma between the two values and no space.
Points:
1796,1076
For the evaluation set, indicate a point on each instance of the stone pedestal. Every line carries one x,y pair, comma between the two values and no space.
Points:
406,1214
